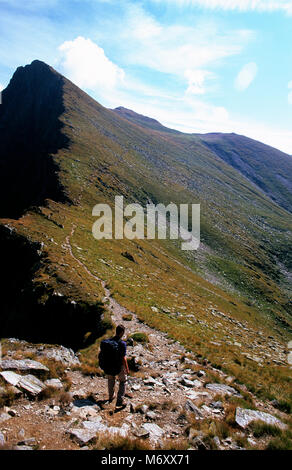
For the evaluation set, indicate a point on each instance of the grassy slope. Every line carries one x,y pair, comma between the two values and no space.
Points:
266,167
241,253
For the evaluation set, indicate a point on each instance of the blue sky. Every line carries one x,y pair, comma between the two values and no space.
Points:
195,65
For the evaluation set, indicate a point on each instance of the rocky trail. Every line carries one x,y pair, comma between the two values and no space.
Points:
170,395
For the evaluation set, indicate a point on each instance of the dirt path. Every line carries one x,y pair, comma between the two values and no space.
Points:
162,348
164,391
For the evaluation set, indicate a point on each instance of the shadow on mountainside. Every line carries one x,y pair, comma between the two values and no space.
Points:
37,313
30,133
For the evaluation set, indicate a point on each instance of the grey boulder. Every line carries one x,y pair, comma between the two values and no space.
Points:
24,364
54,383
82,436
11,377
223,389
31,384
244,417
62,354
190,406
155,431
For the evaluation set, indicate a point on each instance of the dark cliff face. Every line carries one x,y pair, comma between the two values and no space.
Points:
36,312
30,132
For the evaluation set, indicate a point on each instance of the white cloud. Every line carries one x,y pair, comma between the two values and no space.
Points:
196,81
246,76
1,87
150,28
184,54
86,64
174,49
239,5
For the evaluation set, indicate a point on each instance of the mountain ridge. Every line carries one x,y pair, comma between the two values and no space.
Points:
241,270
217,141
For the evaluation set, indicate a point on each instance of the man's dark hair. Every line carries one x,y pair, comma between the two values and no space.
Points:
120,329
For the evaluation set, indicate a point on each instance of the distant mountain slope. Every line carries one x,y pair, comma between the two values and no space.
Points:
268,168
141,120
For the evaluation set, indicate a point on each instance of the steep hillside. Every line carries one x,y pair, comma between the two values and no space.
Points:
62,154
141,120
30,132
266,167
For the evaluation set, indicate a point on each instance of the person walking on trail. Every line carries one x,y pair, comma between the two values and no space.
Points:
113,361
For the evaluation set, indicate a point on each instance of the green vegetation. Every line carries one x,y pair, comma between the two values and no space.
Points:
139,337
222,302
280,443
285,405
127,317
260,429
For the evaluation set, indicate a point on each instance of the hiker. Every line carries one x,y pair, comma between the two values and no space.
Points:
113,361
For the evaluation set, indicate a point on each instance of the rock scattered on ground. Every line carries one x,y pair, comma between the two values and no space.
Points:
171,389
244,417
23,365
223,389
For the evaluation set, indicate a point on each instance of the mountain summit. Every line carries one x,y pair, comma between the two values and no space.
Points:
30,133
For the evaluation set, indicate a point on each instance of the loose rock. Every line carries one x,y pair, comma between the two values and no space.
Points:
31,384
82,436
189,406
24,364
54,383
154,430
22,448
223,389
11,377
244,417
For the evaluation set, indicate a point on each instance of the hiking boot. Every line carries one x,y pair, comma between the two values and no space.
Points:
110,400
121,404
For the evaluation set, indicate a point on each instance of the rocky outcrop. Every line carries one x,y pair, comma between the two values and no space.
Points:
244,417
24,365
31,311
28,383
223,389
61,354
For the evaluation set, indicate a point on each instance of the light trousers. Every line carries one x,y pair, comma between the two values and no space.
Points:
111,380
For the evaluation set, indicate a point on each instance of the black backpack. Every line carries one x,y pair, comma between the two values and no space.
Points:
110,356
